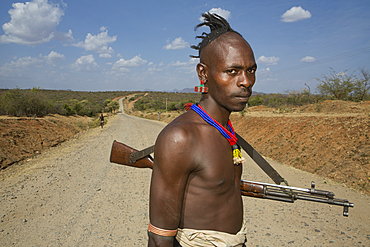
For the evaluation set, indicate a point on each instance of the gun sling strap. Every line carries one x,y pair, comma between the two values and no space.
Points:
141,154
260,161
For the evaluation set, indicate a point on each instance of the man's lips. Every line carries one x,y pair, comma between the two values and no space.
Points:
242,96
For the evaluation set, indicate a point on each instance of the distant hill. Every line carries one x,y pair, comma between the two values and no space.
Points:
185,90
191,90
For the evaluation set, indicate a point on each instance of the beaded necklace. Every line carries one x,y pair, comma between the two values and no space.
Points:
229,135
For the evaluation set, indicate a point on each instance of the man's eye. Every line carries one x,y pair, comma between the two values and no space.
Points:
252,71
232,71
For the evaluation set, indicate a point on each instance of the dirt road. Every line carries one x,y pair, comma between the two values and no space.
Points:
73,196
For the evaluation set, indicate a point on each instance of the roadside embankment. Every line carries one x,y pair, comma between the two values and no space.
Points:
23,138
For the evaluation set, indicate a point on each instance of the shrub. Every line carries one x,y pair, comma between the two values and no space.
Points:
18,102
68,109
25,102
113,105
339,85
345,87
255,100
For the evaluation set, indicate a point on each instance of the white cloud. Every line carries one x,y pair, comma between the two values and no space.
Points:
136,61
268,60
190,63
194,60
98,43
15,68
295,14
221,12
117,71
86,64
63,36
32,23
123,69
154,67
178,63
177,44
263,71
308,59
53,57
105,55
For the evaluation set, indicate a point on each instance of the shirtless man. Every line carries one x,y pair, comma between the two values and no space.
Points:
195,196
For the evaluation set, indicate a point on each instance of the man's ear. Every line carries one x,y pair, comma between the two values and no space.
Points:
202,71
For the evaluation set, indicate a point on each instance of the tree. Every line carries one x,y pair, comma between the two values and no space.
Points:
340,85
77,107
113,105
36,103
362,86
12,102
255,100
107,101
69,110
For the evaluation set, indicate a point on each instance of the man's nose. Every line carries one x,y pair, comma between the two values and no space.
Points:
245,80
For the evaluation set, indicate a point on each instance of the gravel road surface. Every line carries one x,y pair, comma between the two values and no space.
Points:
73,196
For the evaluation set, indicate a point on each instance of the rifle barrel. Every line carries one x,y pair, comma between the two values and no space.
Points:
279,186
291,194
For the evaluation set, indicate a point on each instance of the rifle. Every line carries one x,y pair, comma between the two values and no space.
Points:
125,155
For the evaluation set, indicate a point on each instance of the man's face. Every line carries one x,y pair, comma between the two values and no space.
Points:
230,71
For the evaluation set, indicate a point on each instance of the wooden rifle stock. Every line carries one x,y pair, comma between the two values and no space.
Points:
123,155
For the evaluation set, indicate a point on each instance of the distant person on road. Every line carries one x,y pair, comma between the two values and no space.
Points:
195,197
101,120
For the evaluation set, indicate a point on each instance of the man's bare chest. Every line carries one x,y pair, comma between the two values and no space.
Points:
216,167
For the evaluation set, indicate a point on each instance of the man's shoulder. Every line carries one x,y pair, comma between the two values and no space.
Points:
184,129
177,143
184,125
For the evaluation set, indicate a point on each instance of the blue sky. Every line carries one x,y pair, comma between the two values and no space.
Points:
93,45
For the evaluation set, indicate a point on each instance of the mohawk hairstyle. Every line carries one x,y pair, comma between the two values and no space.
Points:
218,26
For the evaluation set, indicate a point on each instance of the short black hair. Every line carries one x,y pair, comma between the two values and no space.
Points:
218,26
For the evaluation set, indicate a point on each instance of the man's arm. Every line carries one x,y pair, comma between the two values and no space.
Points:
173,164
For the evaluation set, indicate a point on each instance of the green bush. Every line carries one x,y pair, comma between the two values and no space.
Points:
113,106
25,102
17,102
290,99
255,100
68,109
160,101
107,101
343,86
